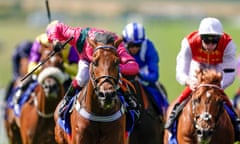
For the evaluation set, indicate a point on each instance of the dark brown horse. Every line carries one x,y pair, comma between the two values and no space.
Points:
149,128
36,119
98,116
204,118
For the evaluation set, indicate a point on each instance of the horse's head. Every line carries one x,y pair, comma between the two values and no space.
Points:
207,104
104,69
55,60
51,75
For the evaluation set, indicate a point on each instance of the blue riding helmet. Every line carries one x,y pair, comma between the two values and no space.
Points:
134,33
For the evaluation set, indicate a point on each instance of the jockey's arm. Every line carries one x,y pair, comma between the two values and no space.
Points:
184,59
128,65
150,73
229,65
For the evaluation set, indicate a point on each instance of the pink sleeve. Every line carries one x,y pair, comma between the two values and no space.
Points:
63,32
128,65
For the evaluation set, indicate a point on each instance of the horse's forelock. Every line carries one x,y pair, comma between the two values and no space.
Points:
105,38
209,76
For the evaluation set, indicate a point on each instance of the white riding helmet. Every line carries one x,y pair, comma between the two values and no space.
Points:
134,33
210,26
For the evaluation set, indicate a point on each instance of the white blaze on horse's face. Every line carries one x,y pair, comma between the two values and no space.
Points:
208,94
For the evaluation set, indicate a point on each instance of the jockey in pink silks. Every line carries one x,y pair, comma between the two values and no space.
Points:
58,31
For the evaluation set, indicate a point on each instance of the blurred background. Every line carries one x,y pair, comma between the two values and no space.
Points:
166,23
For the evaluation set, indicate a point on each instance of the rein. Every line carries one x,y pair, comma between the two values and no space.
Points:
205,116
91,116
41,114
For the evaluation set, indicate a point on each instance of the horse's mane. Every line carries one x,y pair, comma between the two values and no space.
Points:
209,76
105,38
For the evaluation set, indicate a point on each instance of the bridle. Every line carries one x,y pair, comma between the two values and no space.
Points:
107,78
101,95
202,132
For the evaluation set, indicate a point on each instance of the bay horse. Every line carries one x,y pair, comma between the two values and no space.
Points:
204,119
98,116
149,129
36,118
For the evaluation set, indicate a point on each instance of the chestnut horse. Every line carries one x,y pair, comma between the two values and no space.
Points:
98,116
11,127
204,119
36,118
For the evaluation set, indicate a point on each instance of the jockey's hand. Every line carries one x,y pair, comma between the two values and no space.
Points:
192,83
57,47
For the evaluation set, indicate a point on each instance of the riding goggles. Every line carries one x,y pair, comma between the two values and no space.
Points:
213,39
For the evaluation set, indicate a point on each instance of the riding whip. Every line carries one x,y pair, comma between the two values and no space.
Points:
52,53
48,11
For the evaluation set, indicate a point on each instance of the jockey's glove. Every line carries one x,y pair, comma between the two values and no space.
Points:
57,47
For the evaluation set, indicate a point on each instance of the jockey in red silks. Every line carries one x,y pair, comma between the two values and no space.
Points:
209,47
58,31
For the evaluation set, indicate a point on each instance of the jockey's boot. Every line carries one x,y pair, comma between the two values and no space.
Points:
66,99
23,86
174,113
132,104
177,108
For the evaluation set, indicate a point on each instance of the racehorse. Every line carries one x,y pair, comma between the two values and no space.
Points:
97,115
204,118
36,118
12,130
150,126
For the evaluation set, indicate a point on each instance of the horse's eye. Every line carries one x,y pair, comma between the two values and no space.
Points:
196,101
94,63
117,62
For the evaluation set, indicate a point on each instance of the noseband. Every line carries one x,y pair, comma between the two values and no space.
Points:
107,78
205,116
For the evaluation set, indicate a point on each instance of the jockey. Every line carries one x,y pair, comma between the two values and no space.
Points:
58,31
209,47
41,42
69,54
22,51
145,54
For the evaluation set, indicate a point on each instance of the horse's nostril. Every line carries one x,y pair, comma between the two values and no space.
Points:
101,96
199,132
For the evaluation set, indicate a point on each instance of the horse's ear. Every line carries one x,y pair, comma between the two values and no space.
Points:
219,74
91,42
118,41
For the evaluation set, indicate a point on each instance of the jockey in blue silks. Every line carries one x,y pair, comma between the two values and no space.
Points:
22,51
144,52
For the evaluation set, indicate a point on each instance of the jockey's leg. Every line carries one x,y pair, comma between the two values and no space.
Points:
177,108
72,91
77,84
234,117
23,86
129,96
